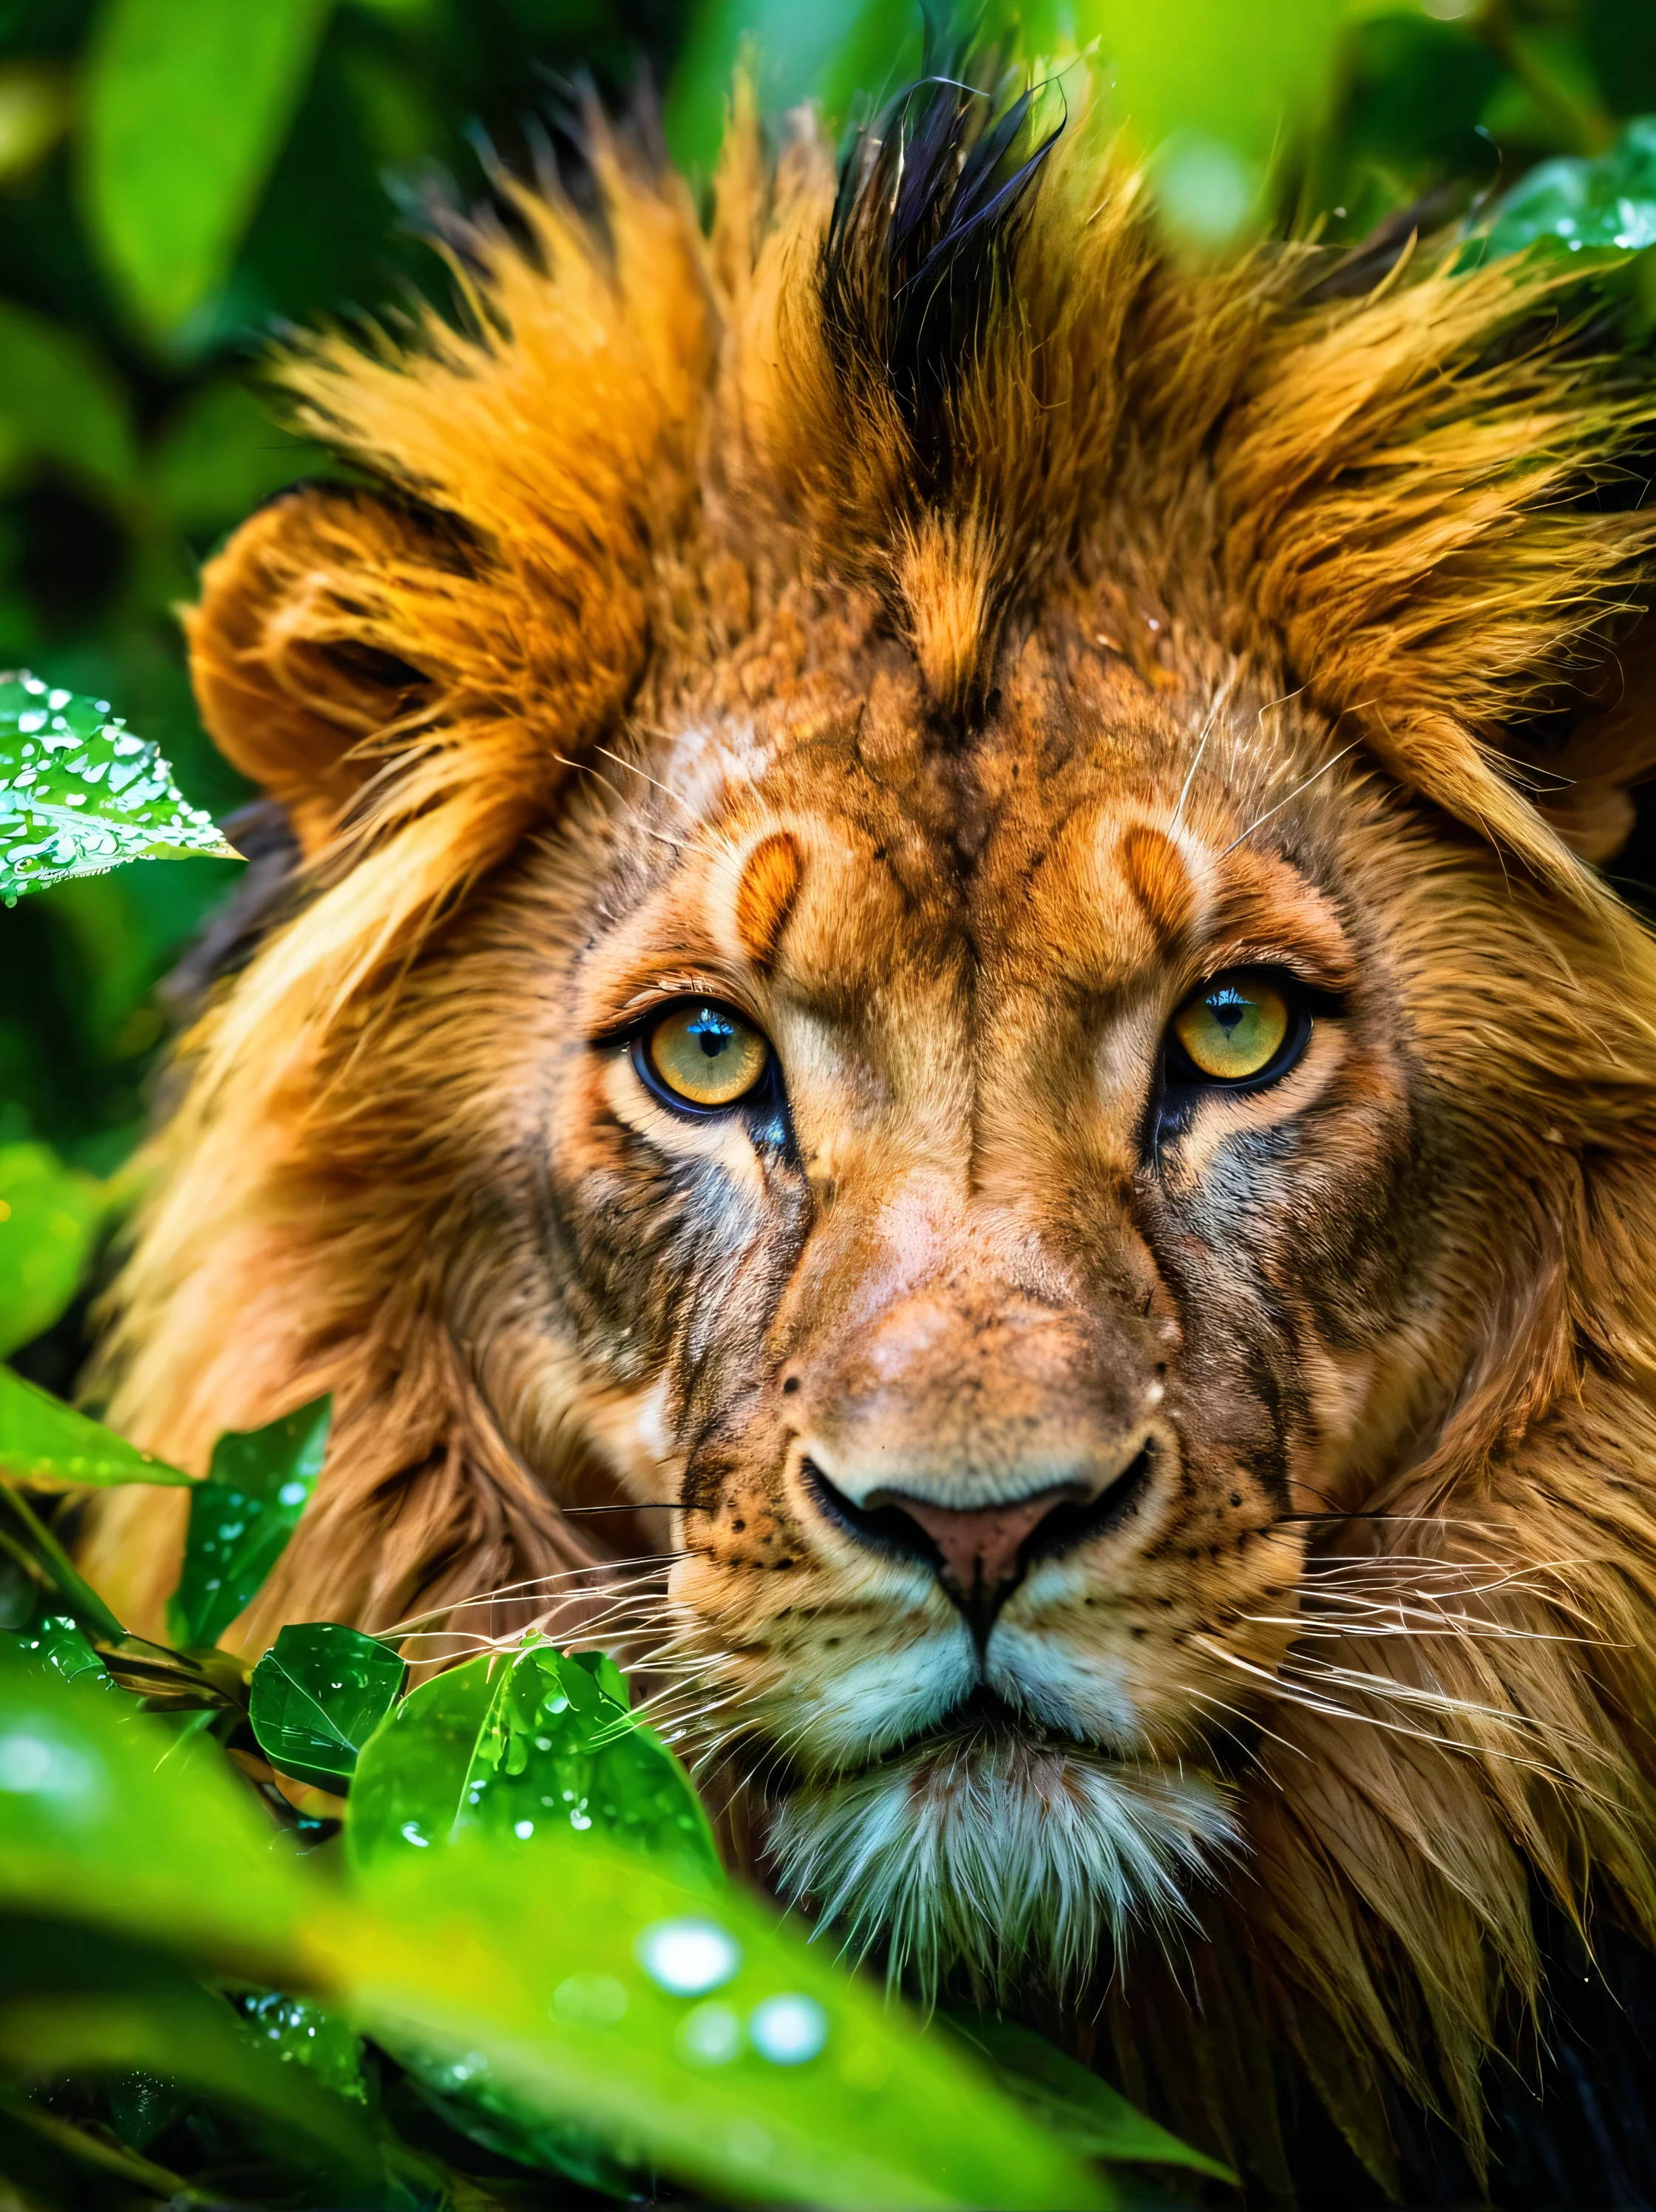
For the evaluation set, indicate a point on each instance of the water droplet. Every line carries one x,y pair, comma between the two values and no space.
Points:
590,2000
523,1830
788,2030
709,2035
689,1957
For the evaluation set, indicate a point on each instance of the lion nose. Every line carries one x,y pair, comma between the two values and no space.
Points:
979,1553
979,1548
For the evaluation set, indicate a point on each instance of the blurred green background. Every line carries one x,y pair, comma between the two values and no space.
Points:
179,178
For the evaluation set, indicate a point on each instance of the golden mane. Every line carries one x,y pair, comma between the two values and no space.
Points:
1411,504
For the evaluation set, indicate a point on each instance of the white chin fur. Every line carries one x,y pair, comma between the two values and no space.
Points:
986,1851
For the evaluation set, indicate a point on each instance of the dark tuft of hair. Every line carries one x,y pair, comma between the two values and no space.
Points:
933,195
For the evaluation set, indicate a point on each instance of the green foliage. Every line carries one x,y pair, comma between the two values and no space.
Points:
32,1549
1577,205
60,403
79,793
1210,89
242,1515
1073,2104
48,1445
50,1216
218,86
522,1746
318,1695
605,2003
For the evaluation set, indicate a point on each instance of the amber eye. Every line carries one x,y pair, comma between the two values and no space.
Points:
706,1055
1233,1027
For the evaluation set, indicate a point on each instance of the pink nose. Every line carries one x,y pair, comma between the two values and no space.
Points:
980,1545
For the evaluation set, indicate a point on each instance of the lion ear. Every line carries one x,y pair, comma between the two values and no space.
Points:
304,673
1610,748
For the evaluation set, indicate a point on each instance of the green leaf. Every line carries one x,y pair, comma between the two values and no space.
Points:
222,456
1072,2102
1581,206
677,2023
111,1823
79,793
303,2034
520,1745
49,1218
181,2030
59,403
796,48
242,1516
689,2032
25,1539
47,1445
318,1695
142,2107
58,1643
1210,90
187,103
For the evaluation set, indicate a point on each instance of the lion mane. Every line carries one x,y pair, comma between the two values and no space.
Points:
898,418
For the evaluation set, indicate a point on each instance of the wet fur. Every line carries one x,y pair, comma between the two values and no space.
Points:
1033,653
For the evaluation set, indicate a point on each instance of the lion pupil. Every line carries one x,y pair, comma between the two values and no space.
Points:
712,1033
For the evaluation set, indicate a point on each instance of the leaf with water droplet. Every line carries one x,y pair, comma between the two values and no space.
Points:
241,1517
80,794
1598,210
519,1745
318,1695
47,1445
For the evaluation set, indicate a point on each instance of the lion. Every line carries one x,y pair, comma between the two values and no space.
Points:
948,1050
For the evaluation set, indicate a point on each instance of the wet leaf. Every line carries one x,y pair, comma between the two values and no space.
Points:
519,1745
1580,206
1079,2109
240,1517
307,2035
79,793
689,2032
677,2023
47,1445
58,1643
50,1216
141,2106
186,105
112,1823
318,1695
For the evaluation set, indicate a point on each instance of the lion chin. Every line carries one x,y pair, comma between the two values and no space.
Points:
986,1850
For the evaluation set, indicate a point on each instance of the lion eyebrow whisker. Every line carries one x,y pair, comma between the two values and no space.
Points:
1223,694
586,768
1260,821
633,769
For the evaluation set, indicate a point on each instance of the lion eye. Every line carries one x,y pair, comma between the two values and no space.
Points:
706,1055
1233,1027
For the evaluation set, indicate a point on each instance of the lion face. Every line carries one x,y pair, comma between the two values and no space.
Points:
983,1193
932,960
